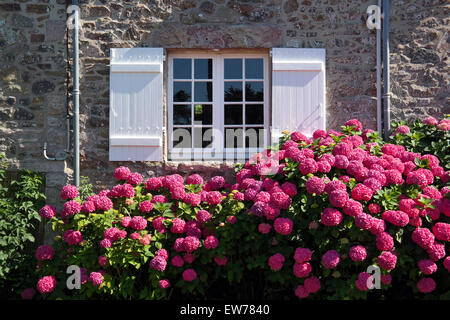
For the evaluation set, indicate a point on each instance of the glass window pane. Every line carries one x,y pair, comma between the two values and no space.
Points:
203,91
233,114
254,91
203,137
203,68
254,137
233,91
254,114
182,91
182,138
254,69
233,68
182,69
182,114
233,137
203,114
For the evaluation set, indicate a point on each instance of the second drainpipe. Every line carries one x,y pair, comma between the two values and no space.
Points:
386,79
379,87
76,99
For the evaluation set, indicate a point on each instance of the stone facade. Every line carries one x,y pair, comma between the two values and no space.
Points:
34,65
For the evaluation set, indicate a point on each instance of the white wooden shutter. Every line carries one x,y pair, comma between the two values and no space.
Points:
298,90
136,104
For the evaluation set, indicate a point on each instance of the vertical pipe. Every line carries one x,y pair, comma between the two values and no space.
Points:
379,89
76,100
386,79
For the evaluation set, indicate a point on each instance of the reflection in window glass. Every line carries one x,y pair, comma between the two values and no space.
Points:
181,114
233,68
233,91
254,114
203,68
233,114
182,138
203,91
203,114
182,91
254,91
254,69
182,69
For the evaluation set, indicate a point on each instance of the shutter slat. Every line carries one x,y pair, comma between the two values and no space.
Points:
136,103
298,92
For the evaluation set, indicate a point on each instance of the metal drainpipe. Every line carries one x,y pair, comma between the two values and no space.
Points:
379,88
76,99
386,80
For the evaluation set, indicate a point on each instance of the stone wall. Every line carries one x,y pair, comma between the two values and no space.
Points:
33,68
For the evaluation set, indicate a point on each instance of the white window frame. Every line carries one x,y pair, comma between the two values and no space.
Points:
218,152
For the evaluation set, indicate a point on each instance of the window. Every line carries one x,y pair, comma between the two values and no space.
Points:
217,106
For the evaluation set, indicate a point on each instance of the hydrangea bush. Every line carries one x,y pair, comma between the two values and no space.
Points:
304,219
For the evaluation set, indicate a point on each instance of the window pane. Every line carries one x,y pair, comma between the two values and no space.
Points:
254,137
233,68
233,137
254,69
182,138
182,69
203,68
182,92
233,91
233,114
254,114
203,138
203,91
254,91
203,114
181,114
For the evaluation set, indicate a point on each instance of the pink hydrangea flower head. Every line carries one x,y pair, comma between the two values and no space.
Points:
122,173
431,121
358,253
102,261
354,123
232,219
364,281
194,179
339,198
189,257
331,217
47,212
191,244
178,226
441,231
427,266
298,136
164,284
402,130
330,259
335,185
159,198
220,261
145,206
214,197
343,148
88,206
353,208
145,240
69,192
387,260
283,226
153,184
72,237
189,275
364,221
289,188
134,178
125,222
138,223
203,216
426,285
177,261
386,279
211,242
301,292
423,237
193,199
96,278
276,261
264,228
302,255
103,203
446,263
72,207
158,263
238,196
302,270
436,251
46,284
341,161
315,185
323,166
106,243
44,252
362,192
163,253
312,284
384,241
374,208
397,218
308,166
